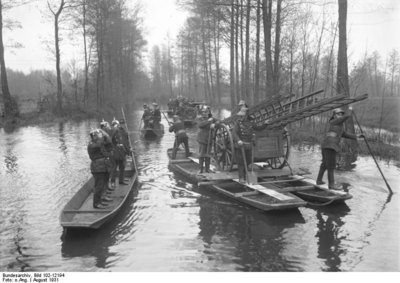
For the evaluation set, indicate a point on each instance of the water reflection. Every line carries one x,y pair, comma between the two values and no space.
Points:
10,161
61,138
330,235
248,239
97,243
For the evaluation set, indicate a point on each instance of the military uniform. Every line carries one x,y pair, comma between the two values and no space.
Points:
243,130
331,146
146,117
98,166
204,140
121,150
180,137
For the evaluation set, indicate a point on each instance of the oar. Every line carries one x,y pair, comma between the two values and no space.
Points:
370,152
129,139
169,123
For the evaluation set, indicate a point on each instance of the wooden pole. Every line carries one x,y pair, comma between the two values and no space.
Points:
129,139
373,157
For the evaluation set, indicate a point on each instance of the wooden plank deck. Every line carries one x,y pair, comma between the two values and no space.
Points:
266,191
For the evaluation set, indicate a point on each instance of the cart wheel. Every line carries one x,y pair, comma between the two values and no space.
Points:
224,152
280,162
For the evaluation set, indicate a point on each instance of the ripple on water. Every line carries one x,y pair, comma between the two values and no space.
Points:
168,224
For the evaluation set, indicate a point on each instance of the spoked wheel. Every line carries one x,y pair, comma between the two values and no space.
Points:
224,152
280,162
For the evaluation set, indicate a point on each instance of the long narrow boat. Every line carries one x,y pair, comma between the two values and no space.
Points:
153,133
307,189
79,213
226,184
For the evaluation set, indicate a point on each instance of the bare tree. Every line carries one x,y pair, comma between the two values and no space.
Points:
257,59
10,105
56,13
232,55
342,80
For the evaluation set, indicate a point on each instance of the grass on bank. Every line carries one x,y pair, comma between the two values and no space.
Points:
305,136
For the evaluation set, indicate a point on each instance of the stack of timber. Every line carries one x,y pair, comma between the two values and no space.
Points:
79,213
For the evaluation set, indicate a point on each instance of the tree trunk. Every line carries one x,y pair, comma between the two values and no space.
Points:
247,55
232,57
10,107
242,67
277,47
57,46
205,64
86,82
342,80
237,86
256,96
216,54
267,21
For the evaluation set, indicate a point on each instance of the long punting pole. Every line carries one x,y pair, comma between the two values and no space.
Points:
129,139
369,149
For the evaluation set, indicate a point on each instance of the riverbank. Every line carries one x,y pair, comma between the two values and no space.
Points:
305,137
35,118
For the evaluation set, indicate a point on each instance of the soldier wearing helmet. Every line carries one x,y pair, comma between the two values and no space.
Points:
330,146
206,124
121,149
156,115
180,136
244,137
146,117
241,104
98,166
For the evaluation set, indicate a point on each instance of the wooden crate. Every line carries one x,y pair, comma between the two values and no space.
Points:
269,144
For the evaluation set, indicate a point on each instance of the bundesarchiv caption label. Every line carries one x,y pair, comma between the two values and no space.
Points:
37,277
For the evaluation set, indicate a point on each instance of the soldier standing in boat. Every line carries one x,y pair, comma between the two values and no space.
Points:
330,146
206,124
156,115
98,155
121,150
178,128
244,137
241,104
108,145
146,117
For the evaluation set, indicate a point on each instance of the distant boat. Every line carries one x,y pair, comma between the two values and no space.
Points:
79,213
153,132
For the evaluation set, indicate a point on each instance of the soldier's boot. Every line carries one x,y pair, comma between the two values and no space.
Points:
208,160
331,181
201,162
321,175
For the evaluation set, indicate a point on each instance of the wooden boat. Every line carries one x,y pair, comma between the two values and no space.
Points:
226,183
79,213
307,189
153,133
280,181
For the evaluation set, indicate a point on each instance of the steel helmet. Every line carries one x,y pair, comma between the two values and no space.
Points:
338,110
95,133
115,122
242,102
243,111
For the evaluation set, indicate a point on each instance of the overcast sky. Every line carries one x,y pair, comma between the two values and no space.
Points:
372,25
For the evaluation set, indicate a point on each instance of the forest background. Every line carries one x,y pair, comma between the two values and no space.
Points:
224,51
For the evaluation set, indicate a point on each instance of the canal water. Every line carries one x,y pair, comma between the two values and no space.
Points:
168,224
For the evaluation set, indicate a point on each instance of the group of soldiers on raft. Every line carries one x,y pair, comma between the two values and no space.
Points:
179,105
151,117
109,146
244,139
